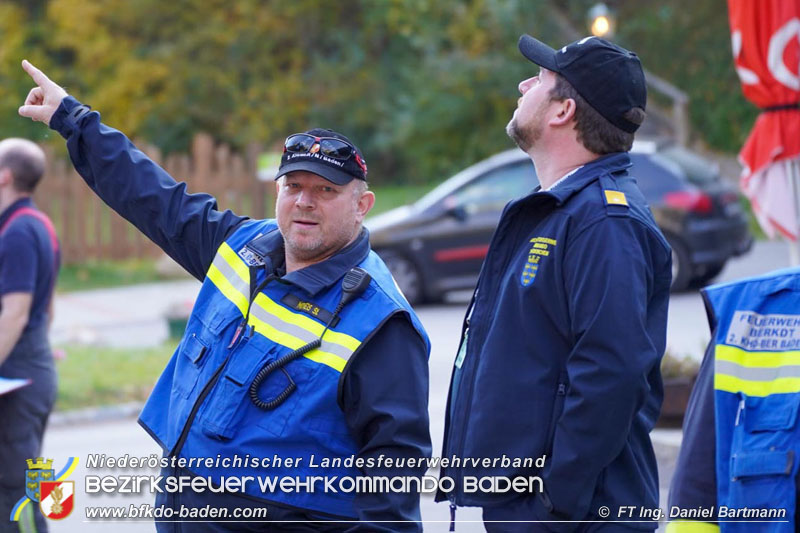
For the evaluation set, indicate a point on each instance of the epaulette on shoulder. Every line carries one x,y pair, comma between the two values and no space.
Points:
615,200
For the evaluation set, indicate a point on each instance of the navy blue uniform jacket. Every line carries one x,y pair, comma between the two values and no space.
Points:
565,336
385,394
694,483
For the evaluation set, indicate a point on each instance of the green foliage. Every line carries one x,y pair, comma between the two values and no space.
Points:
390,196
18,39
688,43
424,87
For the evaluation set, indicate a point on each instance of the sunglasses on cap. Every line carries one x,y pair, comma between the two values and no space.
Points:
301,143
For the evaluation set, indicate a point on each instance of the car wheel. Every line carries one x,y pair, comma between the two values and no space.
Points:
681,267
407,276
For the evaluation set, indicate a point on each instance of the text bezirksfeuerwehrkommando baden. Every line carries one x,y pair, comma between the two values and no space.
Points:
240,482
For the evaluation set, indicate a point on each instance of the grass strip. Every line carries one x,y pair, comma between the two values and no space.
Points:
92,376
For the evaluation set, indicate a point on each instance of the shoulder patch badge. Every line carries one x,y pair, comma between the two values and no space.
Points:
540,249
615,197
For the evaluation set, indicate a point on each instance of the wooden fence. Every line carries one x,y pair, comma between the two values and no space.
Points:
90,230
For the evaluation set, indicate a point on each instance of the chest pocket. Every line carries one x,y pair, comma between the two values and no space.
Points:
764,453
276,421
187,367
230,409
203,332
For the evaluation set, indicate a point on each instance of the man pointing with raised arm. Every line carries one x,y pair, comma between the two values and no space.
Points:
299,344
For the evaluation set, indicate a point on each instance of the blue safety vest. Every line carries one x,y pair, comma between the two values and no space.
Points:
756,394
200,407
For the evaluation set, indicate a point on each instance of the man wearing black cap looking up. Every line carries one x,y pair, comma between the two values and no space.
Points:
564,335
301,363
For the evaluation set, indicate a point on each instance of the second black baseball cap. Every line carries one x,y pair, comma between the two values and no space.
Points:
607,76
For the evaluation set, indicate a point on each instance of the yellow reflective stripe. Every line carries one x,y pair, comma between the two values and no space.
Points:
231,276
296,331
729,378
292,342
756,373
328,359
225,287
756,388
235,262
307,323
689,526
756,359
342,342
274,334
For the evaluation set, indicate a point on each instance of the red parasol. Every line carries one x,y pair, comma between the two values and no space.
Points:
766,51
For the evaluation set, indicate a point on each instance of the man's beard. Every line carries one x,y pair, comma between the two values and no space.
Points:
525,138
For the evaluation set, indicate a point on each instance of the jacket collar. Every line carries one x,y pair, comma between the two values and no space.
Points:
614,163
25,201
313,278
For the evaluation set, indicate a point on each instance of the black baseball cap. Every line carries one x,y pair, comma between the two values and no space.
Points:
340,171
607,76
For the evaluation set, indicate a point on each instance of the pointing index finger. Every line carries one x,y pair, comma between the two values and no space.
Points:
37,75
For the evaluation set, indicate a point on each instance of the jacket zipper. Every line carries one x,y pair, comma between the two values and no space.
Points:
187,426
481,328
467,397
561,392
739,410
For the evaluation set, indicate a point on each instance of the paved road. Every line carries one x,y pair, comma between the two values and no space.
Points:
687,328
120,317
131,316
134,316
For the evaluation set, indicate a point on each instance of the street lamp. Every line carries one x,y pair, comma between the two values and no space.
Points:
601,21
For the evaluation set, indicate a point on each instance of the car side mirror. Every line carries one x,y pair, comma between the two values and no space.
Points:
458,212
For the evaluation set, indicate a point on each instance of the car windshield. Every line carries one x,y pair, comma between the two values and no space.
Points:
451,185
493,190
656,175
698,170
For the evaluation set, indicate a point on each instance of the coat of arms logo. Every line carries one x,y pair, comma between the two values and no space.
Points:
52,491
38,471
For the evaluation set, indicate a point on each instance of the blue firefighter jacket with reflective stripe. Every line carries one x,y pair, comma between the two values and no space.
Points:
374,386
207,375
754,357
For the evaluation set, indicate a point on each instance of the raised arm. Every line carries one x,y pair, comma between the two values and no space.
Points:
188,227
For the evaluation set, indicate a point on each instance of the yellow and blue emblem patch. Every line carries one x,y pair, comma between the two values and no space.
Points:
540,249
529,271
